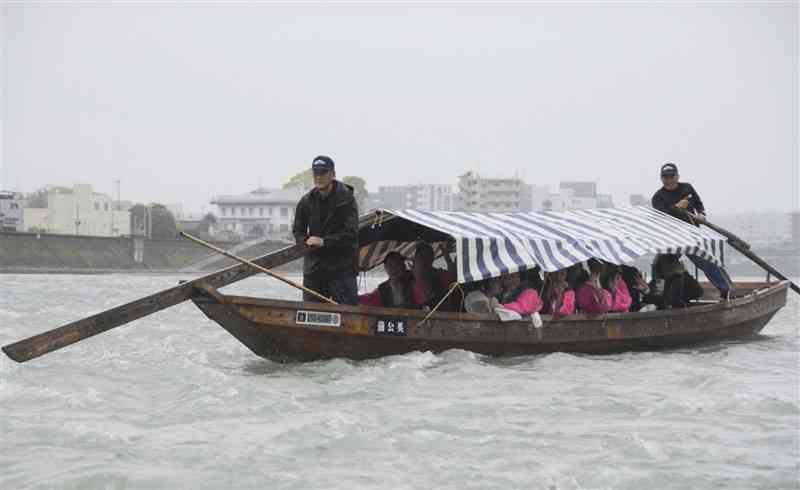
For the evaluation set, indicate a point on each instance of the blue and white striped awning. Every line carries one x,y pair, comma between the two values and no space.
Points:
493,244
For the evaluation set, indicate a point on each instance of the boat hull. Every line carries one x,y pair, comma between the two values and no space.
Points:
281,330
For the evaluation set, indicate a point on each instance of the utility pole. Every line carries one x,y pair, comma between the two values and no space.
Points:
77,218
113,230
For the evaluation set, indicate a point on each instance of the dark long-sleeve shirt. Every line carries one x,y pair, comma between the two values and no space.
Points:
334,218
664,199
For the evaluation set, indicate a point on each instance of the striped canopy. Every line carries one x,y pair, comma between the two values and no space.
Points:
493,244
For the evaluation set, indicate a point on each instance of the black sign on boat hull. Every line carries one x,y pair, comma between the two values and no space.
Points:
393,326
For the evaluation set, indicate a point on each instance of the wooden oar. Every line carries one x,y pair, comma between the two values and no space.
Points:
258,268
744,248
32,347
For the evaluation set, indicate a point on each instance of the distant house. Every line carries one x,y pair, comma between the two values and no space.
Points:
261,212
10,212
80,211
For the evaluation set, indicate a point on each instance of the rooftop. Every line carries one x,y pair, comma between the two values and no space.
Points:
261,195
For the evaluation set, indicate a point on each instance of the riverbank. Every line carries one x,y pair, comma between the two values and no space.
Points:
33,253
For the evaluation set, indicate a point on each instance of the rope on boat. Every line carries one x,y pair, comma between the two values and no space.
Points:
453,287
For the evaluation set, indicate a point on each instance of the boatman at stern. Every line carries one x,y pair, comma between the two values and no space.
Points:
326,221
678,198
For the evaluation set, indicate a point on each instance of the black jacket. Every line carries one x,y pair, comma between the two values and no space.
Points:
335,220
664,200
387,298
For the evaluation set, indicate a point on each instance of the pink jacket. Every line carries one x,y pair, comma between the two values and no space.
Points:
371,299
567,304
621,300
589,304
527,303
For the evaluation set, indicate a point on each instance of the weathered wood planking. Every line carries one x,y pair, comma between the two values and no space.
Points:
270,329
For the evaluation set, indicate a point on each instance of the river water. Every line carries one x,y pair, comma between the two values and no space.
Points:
173,401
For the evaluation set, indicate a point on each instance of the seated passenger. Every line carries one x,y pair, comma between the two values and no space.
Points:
518,295
592,298
679,286
534,278
673,287
576,276
558,298
396,291
637,287
483,297
613,283
431,284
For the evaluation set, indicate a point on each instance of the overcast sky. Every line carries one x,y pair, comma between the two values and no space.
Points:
183,102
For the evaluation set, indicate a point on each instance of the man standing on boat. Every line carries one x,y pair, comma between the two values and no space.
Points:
678,199
326,221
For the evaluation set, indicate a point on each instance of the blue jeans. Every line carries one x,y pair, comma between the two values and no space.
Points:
718,277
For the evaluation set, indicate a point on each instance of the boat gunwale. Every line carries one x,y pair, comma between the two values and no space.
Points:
756,294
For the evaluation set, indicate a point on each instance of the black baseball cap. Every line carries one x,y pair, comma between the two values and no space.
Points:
322,163
669,169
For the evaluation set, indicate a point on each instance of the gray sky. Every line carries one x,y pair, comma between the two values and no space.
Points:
182,102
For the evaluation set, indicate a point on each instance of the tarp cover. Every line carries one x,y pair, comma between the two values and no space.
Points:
493,244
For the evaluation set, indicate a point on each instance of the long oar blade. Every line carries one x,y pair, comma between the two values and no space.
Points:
43,343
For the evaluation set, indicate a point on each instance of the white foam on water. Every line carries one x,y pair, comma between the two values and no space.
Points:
172,400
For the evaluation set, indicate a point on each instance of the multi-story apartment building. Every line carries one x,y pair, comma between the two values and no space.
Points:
758,229
482,194
80,211
262,212
580,189
426,197
570,195
10,212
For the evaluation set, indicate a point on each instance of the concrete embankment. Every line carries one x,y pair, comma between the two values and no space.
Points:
31,252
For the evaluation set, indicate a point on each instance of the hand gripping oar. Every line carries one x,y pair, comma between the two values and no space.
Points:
744,248
32,347
258,268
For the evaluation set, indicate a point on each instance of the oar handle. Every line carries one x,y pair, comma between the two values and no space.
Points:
258,267
744,248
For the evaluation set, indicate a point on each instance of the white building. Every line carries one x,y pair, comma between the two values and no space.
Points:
484,194
10,212
262,212
762,229
424,197
570,195
80,211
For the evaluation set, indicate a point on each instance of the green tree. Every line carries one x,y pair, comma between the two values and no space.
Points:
359,188
205,223
305,180
301,180
156,218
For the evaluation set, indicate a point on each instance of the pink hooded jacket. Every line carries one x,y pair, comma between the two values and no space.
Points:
567,304
527,303
589,304
621,300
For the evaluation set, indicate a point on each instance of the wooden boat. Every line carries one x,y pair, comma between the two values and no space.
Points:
302,331
487,245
